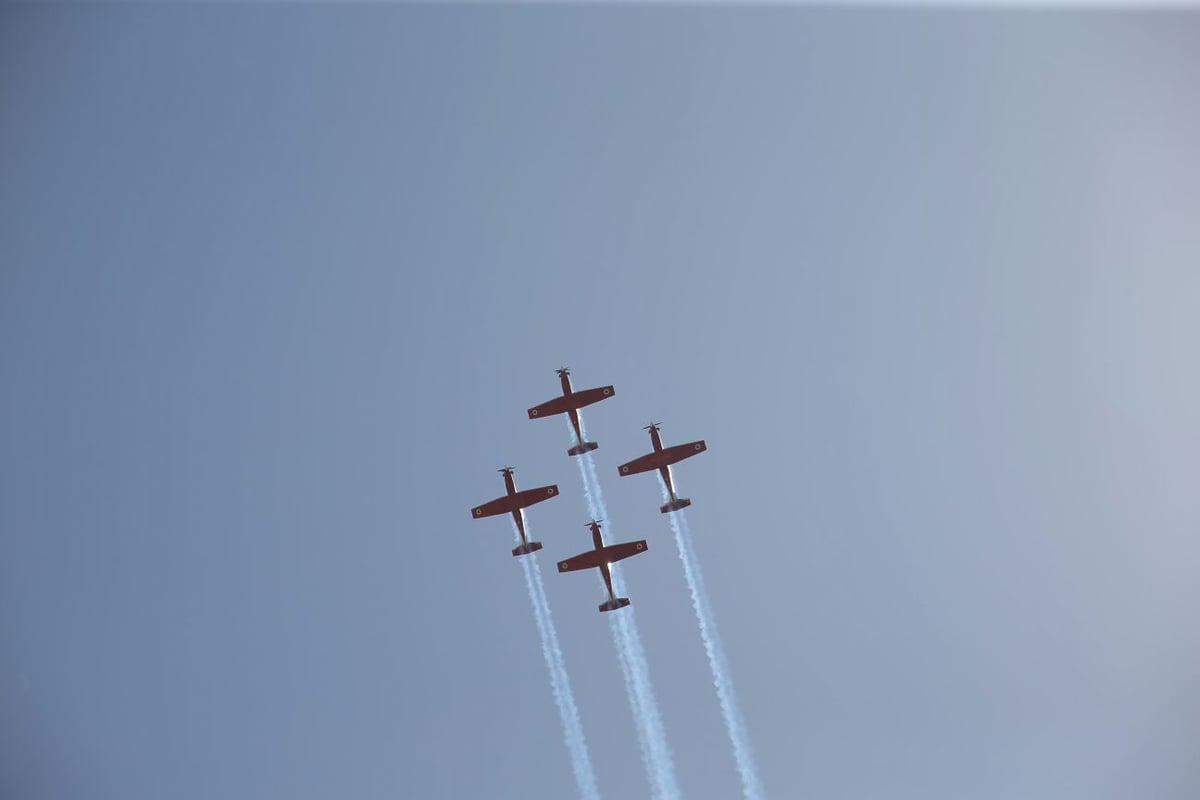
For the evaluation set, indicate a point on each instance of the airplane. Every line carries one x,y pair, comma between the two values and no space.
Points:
662,459
601,557
570,402
513,502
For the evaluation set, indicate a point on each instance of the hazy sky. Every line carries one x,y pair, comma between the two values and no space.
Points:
277,284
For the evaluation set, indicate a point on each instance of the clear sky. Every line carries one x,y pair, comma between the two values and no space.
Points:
277,284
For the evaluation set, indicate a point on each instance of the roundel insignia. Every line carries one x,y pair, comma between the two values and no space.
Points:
607,391
697,445
640,545
477,512
624,469
550,490
533,412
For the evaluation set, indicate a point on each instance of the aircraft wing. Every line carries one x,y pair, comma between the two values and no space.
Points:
589,559
577,400
501,505
662,458
530,496
559,405
511,502
616,552
644,464
589,396
681,451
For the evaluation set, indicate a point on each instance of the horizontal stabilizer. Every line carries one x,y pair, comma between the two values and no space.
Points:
675,505
526,549
613,605
580,449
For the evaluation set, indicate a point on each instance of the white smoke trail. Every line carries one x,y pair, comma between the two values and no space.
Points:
635,704
718,664
656,736
620,638
560,684
656,753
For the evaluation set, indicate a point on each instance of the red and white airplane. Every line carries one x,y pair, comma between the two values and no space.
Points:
570,403
661,459
513,502
601,557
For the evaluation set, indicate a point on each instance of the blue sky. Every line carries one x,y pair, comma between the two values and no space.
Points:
277,284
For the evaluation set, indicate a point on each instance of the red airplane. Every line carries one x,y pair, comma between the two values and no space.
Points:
602,557
570,402
662,459
513,502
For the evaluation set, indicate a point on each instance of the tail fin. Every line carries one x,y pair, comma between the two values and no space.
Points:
525,549
613,605
675,505
580,449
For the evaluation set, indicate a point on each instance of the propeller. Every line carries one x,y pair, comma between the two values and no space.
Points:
593,522
655,425
563,370
506,470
